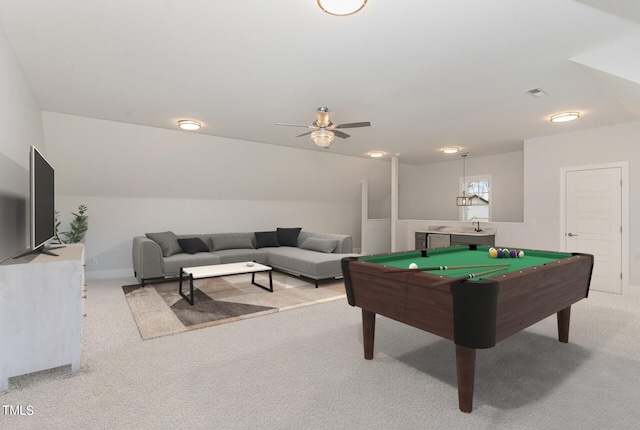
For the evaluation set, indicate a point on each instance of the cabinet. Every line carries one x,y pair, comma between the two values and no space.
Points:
421,240
468,239
41,305
431,240
427,239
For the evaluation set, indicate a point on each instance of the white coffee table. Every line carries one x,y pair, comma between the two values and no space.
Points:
216,270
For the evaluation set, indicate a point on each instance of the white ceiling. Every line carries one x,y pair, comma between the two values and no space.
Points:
426,73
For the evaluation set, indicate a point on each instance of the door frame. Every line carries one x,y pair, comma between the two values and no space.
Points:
624,211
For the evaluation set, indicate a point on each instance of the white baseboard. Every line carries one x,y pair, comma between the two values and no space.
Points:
108,274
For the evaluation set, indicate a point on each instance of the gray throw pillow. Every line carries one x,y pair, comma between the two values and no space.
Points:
193,245
320,245
231,241
168,242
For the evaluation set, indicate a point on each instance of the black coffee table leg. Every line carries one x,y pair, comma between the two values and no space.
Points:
253,281
188,299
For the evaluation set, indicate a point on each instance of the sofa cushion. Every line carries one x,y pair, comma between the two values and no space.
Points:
344,242
192,245
320,245
168,242
240,255
288,236
312,264
231,241
171,265
266,238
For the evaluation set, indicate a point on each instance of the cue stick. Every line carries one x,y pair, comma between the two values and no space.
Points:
469,276
421,269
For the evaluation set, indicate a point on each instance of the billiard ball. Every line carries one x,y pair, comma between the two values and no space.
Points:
413,266
513,253
493,253
520,254
500,253
505,252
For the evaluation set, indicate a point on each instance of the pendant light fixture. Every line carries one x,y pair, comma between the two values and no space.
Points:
463,199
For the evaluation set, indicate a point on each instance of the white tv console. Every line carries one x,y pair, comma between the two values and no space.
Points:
41,306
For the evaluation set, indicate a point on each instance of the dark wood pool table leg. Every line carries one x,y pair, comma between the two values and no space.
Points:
368,332
466,368
564,317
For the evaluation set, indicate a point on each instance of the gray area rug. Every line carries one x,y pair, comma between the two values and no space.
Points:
159,310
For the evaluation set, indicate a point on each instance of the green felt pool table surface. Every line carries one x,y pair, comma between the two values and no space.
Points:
463,256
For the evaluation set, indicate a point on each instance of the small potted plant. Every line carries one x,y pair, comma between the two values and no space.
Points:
78,226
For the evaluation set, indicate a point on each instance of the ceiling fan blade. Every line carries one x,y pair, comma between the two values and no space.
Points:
354,125
341,134
305,134
295,125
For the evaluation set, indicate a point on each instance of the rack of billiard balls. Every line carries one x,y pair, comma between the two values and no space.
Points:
505,253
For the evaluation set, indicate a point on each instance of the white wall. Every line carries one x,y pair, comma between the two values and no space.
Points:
429,191
20,127
137,179
378,236
544,158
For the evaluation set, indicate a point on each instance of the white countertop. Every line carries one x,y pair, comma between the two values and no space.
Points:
467,231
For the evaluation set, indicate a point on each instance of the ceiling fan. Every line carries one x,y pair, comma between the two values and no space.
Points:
323,130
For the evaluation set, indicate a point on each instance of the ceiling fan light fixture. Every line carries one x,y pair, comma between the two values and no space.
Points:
322,137
564,116
189,124
324,130
341,7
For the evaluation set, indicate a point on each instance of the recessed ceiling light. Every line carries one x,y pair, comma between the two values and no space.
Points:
564,116
376,154
189,124
341,7
450,149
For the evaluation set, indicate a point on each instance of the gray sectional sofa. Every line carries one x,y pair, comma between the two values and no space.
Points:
310,255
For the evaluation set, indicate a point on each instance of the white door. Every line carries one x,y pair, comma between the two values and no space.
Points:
594,223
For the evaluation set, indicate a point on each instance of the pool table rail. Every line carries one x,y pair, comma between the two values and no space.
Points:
533,294
400,296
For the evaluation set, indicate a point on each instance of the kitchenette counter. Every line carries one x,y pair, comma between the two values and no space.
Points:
471,231
442,235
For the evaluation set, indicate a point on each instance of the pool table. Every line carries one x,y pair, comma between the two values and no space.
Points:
505,296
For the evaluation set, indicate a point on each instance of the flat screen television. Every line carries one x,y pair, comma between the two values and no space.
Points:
42,215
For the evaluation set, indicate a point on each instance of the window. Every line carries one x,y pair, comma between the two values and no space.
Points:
479,190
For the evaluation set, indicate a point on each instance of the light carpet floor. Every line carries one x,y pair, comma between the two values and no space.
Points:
304,369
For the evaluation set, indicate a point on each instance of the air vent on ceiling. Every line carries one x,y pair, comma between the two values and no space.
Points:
536,92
